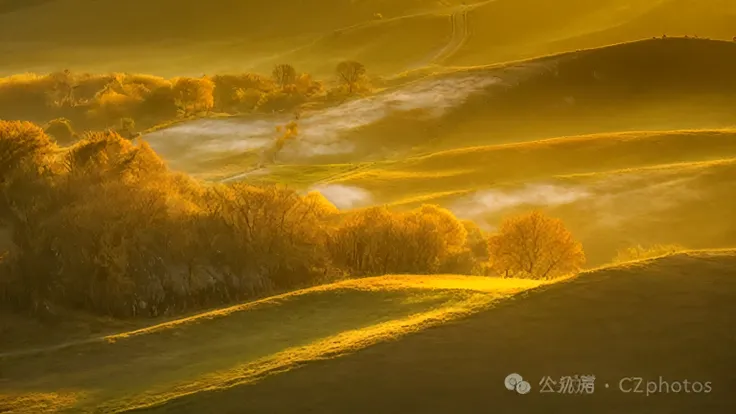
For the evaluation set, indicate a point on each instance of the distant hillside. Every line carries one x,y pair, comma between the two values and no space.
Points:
7,6
107,22
390,36
517,29
673,83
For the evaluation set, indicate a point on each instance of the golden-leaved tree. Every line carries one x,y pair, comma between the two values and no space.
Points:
536,246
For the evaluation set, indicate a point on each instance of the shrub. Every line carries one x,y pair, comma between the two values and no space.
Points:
280,100
232,91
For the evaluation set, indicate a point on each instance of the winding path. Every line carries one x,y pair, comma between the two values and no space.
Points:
460,35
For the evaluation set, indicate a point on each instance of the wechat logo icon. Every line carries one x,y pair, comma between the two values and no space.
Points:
514,382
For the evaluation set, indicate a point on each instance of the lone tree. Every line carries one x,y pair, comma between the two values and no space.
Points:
350,74
536,246
284,75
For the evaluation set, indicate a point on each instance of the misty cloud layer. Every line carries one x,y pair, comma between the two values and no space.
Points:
320,132
344,196
535,195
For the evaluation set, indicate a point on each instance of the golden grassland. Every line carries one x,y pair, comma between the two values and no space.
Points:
242,343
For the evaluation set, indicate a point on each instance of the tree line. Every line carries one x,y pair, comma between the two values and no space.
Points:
66,102
105,227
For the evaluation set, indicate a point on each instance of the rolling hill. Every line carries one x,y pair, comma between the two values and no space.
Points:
655,85
375,345
666,320
237,344
636,137
170,38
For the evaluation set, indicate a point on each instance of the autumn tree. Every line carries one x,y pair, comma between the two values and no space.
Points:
22,145
284,75
536,246
193,95
350,74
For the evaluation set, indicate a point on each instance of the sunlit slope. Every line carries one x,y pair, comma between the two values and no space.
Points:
240,344
471,167
668,319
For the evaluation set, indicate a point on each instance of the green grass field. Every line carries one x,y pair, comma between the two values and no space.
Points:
237,345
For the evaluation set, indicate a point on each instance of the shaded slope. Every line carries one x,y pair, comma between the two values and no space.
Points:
668,317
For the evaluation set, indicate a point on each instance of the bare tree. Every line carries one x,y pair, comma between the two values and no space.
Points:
350,73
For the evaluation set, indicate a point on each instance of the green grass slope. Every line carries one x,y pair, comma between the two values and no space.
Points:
668,318
239,344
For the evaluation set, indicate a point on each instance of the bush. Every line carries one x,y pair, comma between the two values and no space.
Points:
232,91
534,246
280,100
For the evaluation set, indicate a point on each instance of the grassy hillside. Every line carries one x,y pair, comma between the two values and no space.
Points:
668,318
613,190
650,85
239,344
389,36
